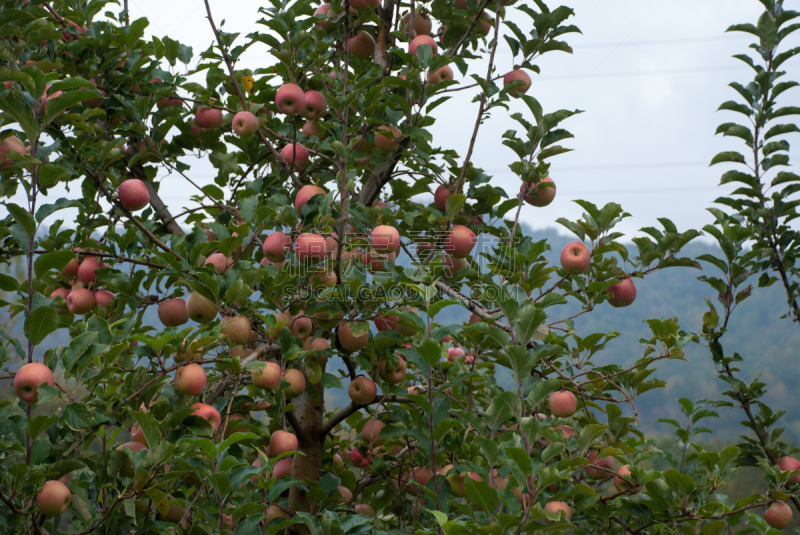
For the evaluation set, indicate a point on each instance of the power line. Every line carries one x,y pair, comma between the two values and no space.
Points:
653,165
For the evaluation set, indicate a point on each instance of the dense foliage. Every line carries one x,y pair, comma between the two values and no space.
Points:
292,262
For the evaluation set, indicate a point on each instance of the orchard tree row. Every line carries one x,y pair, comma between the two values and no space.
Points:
316,262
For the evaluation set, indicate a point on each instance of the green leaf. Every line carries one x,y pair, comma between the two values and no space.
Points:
23,217
480,494
49,174
149,427
37,424
16,111
57,105
39,323
78,417
57,260
526,321
502,408
455,203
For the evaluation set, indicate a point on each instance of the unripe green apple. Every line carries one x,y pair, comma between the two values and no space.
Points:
200,309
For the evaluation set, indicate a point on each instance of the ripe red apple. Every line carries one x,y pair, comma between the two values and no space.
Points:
624,471
790,464
208,413
361,45
172,312
364,509
364,5
422,24
514,76
371,431
311,247
190,380
297,383
563,404
71,269
593,472
316,105
237,329
311,129
188,353
63,293
219,262
375,261
322,278
290,99
304,195
350,342
80,301
358,459
386,138
344,494
316,344
200,309
296,156
103,298
282,442
778,515
323,24
133,194
622,293
208,118
283,468
302,326
54,498
7,145
28,379
268,377
454,352
362,390
385,239
440,197
576,258
555,506
137,434
86,271
276,245
442,74
72,24
245,124
539,197
453,265
460,241
422,40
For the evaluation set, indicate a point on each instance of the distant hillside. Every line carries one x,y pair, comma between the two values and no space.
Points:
766,342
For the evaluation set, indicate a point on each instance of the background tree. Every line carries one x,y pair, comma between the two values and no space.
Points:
311,264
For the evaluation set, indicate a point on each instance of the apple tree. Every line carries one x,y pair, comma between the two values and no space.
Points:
211,345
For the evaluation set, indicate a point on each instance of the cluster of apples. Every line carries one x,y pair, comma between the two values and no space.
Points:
576,259
80,273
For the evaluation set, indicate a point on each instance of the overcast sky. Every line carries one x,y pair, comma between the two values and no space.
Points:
648,73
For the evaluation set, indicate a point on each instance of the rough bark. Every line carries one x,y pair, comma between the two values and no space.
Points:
156,203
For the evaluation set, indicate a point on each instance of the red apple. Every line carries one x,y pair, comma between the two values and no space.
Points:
344,493
208,413
576,258
350,342
282,442
304,195
778,515
245,124
172,312
87,268
790,464
316,105
55,497
190,380
283,468
268,377
422,40
312,129
624,471
311,247
394,376
460,241
440,197
324,24
103,298
208,118
358,459
422,24
237,329
539,197
442,74
290,99
563,404
514,76
385,239
80,301
386,138
8,145
71,270
200,309
28,379
296,156
276,245
362,390
361,45
133,194
219,262
622,293
594,471
556,507
297,383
